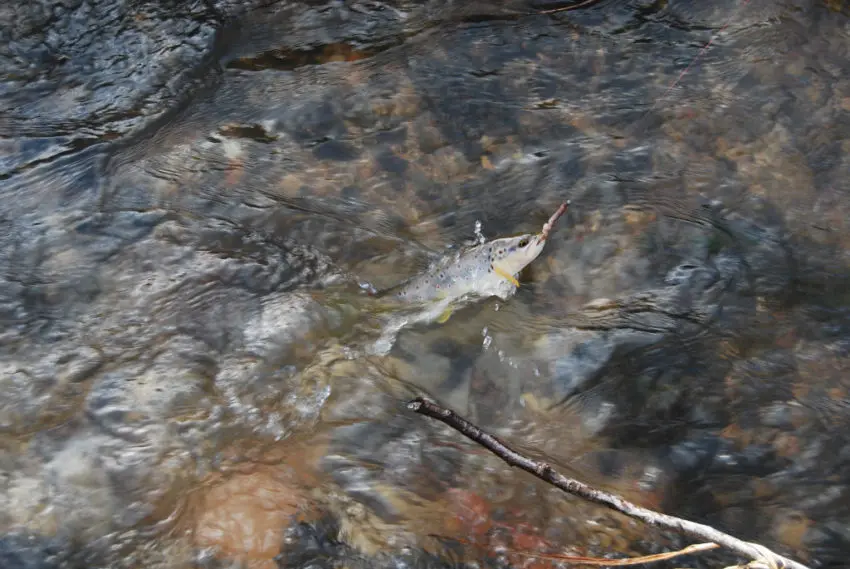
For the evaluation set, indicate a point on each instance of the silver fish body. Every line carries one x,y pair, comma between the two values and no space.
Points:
489,269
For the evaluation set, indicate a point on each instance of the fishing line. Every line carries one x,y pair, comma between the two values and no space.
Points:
699,55
687,68
640,123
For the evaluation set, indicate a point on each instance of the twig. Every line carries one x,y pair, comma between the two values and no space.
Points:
570,7
546,473
695,548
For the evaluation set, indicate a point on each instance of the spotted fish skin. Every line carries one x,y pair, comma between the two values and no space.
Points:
485,270
489,269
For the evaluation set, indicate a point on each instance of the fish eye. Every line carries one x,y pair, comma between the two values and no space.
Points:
523,242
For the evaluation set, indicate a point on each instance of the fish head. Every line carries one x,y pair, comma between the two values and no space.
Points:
513,254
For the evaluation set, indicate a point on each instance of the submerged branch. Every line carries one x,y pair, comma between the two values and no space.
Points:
570,7
546,473
695,548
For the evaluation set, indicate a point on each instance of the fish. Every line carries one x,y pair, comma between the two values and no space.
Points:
488,269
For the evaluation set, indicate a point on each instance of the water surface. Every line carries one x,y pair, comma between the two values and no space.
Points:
193,199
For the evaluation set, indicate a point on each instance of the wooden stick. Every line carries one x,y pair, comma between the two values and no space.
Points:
571,7
577,559
548,474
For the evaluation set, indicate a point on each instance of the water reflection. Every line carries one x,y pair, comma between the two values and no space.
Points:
189,365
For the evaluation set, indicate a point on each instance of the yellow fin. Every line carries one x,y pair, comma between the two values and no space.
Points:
447,313
507,276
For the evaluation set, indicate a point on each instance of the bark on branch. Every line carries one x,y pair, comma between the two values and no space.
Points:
545,472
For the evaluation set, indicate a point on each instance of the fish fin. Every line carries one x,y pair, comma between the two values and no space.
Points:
447,313
505,275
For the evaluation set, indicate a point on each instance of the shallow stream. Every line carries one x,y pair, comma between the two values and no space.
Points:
194,196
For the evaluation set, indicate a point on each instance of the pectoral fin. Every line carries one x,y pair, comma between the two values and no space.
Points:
447,313
505,275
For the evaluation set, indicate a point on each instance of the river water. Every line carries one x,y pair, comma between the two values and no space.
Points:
195,195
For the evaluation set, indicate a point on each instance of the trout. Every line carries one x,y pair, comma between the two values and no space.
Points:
489,269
